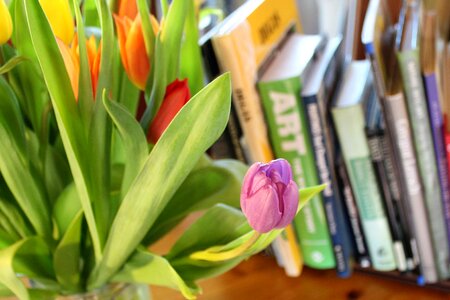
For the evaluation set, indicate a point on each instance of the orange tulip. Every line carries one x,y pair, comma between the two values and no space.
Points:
72,62
176,96
128,8
132,48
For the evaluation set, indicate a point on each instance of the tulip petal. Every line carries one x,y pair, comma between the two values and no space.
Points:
72,65
290,204
280,170
138,61
262,211
128,8
5,23
123,27
60,18
177,95
248,179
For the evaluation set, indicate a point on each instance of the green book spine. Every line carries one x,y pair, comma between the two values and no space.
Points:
350,126
290,139
420,123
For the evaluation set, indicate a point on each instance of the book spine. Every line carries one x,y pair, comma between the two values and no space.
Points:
437,125
333,207
362,177
374,139
287,128
396,118
420,124
360,245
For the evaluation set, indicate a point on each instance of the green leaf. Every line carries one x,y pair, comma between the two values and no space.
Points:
66,208
133,139
197,125
167,50
29,257
7,274
191,56
64,104
218,182
100,131
85,93
10,64
148,268
308,193
67,256
147,28
14,163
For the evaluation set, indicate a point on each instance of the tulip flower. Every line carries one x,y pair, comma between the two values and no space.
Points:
71,61
132,48
269,196
127,8
60,18
5,23
176,96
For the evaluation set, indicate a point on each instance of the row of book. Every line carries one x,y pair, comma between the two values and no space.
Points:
369,127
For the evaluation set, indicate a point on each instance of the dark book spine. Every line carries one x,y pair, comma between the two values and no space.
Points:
384,176
334,211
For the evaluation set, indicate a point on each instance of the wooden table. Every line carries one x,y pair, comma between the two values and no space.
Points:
259,278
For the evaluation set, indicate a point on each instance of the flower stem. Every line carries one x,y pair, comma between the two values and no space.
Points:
210,255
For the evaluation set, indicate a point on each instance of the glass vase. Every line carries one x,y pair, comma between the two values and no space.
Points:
113,292
121,291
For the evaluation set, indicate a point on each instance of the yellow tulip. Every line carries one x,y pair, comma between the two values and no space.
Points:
60,18
5,23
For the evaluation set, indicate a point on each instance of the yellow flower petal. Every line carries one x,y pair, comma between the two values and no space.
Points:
60,18
5,23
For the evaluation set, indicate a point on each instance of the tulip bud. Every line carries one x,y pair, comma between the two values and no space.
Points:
176,96
269,196
127,8
5,23
60,18
132,48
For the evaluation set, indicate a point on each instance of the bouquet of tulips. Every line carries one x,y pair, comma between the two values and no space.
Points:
103,153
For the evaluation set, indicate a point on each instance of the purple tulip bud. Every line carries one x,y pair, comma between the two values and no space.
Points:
269,196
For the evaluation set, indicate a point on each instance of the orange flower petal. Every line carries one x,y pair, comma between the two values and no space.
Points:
128,8
138,62
72,65
123,27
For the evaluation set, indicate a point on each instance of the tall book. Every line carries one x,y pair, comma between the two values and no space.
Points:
428,62
349,118
408,58
315,93
280,88
380,51
241,44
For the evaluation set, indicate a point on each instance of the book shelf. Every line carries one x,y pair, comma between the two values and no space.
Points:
415,221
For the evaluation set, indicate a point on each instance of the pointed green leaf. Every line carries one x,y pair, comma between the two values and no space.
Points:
308,193
85,93
218,182
191,56
66,208
7,274
14,163
133,139
147,28
64,104
197,125
67,257
148,268
10,64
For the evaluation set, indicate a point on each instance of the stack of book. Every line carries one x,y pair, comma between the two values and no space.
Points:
358,103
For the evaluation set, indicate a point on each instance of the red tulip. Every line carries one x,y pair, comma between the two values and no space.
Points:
176,96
